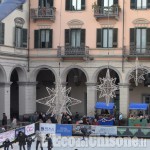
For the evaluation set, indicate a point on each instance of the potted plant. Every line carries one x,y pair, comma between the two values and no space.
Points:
113,8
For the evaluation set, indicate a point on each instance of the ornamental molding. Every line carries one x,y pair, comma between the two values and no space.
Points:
75,23
141,22
19,22
44,26
108,24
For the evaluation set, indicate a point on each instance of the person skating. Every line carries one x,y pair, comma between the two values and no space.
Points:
29,141
39,137
7,144
49,140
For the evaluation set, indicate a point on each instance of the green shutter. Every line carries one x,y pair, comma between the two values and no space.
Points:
133,4
36,38
68,4
50,3
67,37
148,3
148,38
115,37
99,38
2,33
15,36
115,2
24,41
50,45
132,37
100,3
83,35
82,4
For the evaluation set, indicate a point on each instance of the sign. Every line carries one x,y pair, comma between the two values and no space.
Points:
22,129
30,129
106,131
48,128
64,130
9,134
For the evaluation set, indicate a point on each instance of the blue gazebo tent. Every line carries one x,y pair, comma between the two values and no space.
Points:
102,105
138,106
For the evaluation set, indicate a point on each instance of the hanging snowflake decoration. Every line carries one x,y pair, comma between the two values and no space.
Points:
58,100
138,72
107,87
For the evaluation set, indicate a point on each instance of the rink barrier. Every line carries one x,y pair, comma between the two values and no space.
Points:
75,130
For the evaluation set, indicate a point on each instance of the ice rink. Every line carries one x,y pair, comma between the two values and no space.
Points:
88,144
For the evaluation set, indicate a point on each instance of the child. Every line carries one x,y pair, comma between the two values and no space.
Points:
29,141
6,144
49,140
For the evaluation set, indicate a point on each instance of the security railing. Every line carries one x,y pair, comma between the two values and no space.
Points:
43,13
139,51
69,51
102,12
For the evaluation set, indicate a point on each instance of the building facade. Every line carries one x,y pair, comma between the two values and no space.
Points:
76,40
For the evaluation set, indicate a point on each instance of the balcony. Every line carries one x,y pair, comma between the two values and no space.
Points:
43,13
73,52
143,52
105,12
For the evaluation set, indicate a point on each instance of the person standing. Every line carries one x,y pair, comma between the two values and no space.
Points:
29,141
49,140
4,120
21,138
6,144
39,137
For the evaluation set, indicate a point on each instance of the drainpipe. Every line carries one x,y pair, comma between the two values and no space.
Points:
123,47
29,39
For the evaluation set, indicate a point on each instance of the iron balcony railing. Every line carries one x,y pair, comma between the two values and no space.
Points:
69,51
139,51
102,12
43,13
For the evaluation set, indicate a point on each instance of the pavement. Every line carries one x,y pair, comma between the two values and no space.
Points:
99,143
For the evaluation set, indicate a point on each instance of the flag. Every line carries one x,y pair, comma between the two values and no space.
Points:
8,6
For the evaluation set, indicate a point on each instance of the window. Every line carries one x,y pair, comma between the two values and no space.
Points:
2,32
107,38
20,7
75,5
75,37
139,39
20,37
45,3
43,38
107,3
140,4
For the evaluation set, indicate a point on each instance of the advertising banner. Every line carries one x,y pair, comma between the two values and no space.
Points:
48,128
9,134
64,130
30,129
22,129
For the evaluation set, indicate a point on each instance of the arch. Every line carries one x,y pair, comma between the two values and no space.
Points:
66,71
35,72
95,75
22,74
3,76
128,73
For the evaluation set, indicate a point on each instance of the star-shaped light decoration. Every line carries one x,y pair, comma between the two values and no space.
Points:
138,72
107,87
58,100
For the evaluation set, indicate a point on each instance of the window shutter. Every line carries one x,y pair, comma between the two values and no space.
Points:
100,3
67,37
36,38
49,3
99,38
15,36
2,33
115,2
133,4
148,38
82,4
24,41
83,37
115,37
68,4
40,3
148,3
132,37
50,44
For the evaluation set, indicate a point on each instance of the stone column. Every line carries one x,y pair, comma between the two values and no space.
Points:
91,98
5,99
27,97
124,98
